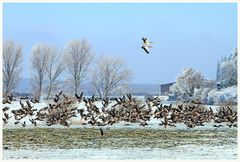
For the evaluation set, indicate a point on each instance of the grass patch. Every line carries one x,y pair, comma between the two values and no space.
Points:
74,138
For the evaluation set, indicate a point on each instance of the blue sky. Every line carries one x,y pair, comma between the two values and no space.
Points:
193,35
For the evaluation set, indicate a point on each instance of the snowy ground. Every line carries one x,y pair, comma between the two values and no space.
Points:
186,151
207,147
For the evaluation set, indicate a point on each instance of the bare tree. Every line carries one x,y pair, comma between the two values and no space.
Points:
109,75
55,67
39,61
12,65
78,57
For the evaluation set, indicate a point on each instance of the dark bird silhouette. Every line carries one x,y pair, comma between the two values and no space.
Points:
5,120
22,105
79,98
105,102
235,125
33,122
56,98
152,99
24,98
145,48
146,45
229,125
143,124
5,101
5,109
129,96
118,102
218,125
60,93
145,41
101,131
29,104
7,116
93,98
23,124
8,99
196,102
34,100
10,96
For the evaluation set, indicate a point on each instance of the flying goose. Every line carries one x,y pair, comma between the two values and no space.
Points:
24,124
145,41
79,98
16,122
33,122
34,100
146,45
146,49
24,98
6,109
7,116
8,100
218,125
5,120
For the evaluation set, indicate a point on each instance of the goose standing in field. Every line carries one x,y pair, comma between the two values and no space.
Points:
146,45
101,132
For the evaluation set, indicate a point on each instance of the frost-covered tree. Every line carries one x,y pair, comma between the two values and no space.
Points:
186,83
78,57
109,75
39,60
202,92
227,70
12,65
218,71
225,95
54,69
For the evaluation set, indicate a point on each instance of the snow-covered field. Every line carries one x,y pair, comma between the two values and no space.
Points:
186,151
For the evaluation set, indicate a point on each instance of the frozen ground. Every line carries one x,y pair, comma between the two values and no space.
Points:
186,152
226,151
210,145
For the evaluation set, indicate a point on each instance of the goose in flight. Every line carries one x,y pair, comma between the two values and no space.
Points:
146,45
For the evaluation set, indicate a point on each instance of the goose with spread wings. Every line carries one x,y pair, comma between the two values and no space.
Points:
146,45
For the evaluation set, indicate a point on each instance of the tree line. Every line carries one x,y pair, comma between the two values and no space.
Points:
227,70
75,63
191,84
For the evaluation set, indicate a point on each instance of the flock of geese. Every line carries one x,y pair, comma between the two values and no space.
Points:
62,109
